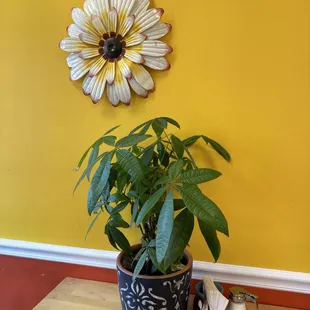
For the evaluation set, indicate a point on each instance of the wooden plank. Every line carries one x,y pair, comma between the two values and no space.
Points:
76,294
251,306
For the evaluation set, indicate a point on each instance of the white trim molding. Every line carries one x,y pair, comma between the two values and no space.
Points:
241,275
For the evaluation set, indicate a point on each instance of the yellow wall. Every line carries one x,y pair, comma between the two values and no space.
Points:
240,74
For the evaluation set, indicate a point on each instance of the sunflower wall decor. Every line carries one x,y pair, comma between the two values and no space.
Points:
110,42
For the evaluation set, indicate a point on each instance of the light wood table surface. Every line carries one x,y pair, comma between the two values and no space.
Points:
76,294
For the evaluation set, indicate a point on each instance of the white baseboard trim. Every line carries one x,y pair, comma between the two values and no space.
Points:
241,275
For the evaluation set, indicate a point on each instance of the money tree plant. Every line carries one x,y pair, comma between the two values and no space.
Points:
152,174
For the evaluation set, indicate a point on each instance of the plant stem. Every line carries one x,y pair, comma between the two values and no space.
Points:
190,156
141,230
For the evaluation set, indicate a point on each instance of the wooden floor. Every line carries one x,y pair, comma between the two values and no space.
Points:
75,294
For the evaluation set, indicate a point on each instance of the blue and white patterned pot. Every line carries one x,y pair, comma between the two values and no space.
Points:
168,292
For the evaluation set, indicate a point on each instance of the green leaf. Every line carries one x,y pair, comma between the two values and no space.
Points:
129,163
157,129
147,156
138,255
162,154
120,239
218,148
135,210
111,240
161,122
204,208
152,255
175,168
88,170
145,124
82,159
82,177
132,194
135,150
117,221
177,266
198,176
113,176
172,122
98,142
164,227
99,182
150,203
163,180
121,181
211,238
178,204
117,198
93,223
98,206
145,129
120,207
109,208
108,140
139,265
181,234
152,243
177,146
132,140
191,140
112,129
92,158
105,193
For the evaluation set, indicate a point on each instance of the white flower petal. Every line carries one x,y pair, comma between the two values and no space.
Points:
79,17
88,85
83,20
117,4
89,53
126,25
99,86
135,39
122,88
105,18
154,48
74,60
97,66
81,69
113,20
98,24
140,6
90,7
158,31
138,88
123,66
142,76
72,45
103,5
124,8
146,20
112,95
110,73
74,31
89,38
134,56
156,63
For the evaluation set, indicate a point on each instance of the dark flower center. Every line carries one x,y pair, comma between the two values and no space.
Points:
113,47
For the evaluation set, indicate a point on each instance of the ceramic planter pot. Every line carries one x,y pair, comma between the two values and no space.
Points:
168,292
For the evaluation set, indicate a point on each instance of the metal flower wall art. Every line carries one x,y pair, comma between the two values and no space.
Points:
110,44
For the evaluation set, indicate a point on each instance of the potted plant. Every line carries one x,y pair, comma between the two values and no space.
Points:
155,177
